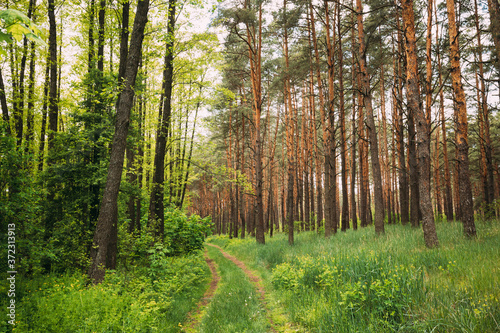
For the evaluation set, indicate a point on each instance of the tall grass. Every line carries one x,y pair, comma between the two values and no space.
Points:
359,282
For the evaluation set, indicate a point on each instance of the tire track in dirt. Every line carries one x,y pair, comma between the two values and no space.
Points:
256,281
194,319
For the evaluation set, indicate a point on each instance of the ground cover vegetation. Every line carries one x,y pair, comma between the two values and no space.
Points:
359,282
129,127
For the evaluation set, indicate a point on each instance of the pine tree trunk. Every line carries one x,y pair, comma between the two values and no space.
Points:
466,205
494,11
370,124
319,183
289,138
399,126
423,133
343,147
485,138
385,156
330,161
448,206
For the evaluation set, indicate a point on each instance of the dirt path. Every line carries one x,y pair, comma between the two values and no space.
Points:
194,318
256,281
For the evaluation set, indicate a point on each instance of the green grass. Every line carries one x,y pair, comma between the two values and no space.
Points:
132,301
235,306
359,282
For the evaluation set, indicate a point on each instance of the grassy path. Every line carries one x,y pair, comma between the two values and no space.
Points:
193,319
238,303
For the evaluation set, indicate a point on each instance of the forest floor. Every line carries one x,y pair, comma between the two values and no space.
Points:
357,281
199,320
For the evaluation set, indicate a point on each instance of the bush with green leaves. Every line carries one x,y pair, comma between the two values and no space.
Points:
185,234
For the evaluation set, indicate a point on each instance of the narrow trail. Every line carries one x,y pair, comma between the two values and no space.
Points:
194,319
256,281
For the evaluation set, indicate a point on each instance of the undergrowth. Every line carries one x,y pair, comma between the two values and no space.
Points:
155,286
124,302
359,282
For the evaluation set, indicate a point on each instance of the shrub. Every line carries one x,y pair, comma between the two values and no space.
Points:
185,234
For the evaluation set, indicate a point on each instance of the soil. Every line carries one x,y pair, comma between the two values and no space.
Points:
193,318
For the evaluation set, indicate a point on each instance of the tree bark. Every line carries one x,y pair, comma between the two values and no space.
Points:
466,205
319,183
448,207
494,11
485,138
53,107
370,124
156,206
255,52
343,140
3,103
423,133
109,204
330,161
399,126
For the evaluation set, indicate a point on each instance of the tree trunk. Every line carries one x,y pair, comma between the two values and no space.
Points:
448,207
289,137
485,138
3,103
255,64
41,149
100,39
53,107
319,183
423,133
494,10
466,205
370,124
109,205
343,143
156,208
330,161
399,127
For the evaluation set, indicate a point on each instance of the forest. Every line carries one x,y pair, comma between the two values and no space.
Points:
250,166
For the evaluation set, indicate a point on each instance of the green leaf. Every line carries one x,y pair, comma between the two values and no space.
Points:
5,37
18,25
18,31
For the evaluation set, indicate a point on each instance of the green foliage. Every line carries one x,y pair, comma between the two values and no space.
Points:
19,205
76,175
124,302
185,234
15,25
